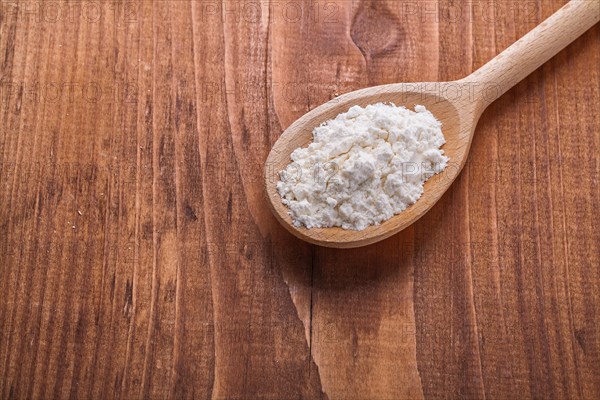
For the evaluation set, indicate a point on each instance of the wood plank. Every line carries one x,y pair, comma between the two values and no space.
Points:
139,258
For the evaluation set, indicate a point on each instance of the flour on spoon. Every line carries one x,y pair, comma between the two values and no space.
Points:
363,167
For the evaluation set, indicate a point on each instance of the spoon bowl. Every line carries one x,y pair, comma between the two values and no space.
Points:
457,105
456,119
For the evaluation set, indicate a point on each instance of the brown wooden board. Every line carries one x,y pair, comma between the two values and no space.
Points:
139,257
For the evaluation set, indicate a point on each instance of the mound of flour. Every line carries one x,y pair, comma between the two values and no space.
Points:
363,167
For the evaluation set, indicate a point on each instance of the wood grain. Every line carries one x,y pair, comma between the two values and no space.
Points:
139,258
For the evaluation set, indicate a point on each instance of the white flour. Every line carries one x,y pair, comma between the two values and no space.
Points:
363,167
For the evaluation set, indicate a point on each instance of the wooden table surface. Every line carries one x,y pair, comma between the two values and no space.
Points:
139,258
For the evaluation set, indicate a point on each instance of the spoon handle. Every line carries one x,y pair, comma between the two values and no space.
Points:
535,48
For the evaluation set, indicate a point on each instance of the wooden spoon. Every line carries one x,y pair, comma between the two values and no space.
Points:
458,105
